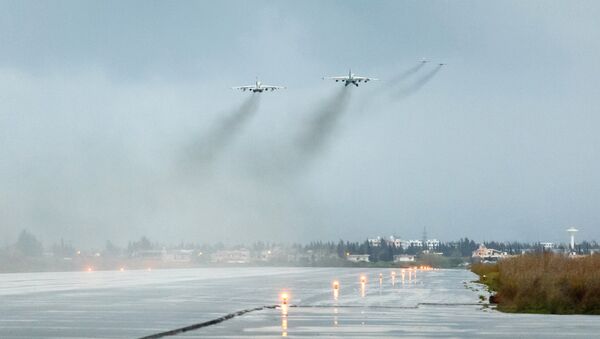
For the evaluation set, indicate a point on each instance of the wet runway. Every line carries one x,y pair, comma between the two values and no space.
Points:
134,304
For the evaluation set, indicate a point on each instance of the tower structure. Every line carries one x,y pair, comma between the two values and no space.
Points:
572,231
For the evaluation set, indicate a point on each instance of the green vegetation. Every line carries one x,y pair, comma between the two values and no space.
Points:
544,283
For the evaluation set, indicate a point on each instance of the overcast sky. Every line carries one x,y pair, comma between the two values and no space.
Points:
102,104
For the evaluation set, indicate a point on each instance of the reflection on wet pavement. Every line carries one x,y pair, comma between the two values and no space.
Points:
129,304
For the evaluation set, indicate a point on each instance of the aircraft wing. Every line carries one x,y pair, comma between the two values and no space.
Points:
244,88
336,78
271,88
365,79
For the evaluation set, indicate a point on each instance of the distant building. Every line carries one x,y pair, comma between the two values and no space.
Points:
392,241
165,255
404,258
415,243
241,256
149,254
488,254
398,243
358,257
180,256
433,244
548,245
404,244
374,242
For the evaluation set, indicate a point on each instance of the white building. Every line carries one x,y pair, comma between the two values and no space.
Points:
548,245
394,242
241,256
433,244
172,256
488,254
405,244
150,254
375,242
358,257
415,243
404,258
181,256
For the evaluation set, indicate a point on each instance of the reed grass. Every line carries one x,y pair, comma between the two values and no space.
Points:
544,283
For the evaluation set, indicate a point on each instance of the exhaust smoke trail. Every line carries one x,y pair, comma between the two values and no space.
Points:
283,160
390,85
322,126
406,74
418,84
211,147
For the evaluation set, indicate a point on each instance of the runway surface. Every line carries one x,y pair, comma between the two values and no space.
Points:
134,304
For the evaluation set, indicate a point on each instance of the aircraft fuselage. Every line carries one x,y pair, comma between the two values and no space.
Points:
350,80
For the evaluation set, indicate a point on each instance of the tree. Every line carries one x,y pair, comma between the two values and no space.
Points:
112,249
143,244
28,245
63,249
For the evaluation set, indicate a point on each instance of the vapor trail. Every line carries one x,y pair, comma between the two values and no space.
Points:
418,84
209,148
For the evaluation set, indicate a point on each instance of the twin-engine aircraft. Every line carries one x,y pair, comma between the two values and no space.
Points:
351,78
258,87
